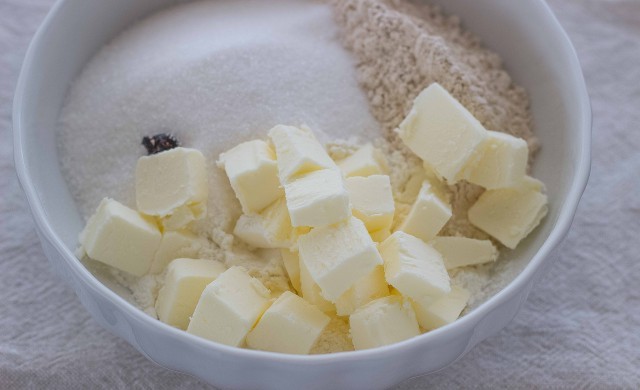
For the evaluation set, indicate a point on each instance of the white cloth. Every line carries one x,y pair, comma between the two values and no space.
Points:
579,328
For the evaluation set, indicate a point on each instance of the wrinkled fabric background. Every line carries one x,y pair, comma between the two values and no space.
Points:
580,327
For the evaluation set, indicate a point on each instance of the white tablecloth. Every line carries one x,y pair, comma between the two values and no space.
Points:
580,327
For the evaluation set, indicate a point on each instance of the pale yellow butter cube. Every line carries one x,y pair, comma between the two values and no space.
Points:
121,237
531,183
394,291
462,251
269,229
318,199
372,201
414,267
428,215
183,285
411,188
381,322
291,262
414,184
253,173
380,235
365,161
438,185
441,131
501,162
298,152
365,290
442,311
290,325
310,291
339,255
184,215
510,214
170,180
229,307
176,244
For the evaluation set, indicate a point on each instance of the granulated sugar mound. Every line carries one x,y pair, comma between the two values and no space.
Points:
401,49
214,73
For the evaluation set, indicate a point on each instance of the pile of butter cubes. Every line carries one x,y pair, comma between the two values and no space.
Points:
335,223
455,145
171,192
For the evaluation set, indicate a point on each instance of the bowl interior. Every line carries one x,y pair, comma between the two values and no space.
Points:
533,55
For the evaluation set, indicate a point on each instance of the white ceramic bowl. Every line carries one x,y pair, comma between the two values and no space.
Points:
539,56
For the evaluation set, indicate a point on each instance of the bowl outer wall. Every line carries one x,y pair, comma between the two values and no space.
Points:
236,368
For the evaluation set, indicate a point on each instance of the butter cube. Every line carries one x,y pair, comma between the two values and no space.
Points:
253,173
427,216
318,199
443,310
414,184
441,131
121,237
229,307
380,235
414,267
531,183
366,161
184,215
462,251
365,290
290,325
337,256
183,285
298,152
176,244
412,187
501,162
381,322
311,291
394,291
291,262
170,180
510,214
372,201
269,229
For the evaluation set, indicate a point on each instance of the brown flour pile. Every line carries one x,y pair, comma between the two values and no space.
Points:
402,48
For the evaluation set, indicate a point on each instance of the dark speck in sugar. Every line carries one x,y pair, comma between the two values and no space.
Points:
159,143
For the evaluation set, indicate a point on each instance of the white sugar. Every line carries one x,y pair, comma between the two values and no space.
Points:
214,73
